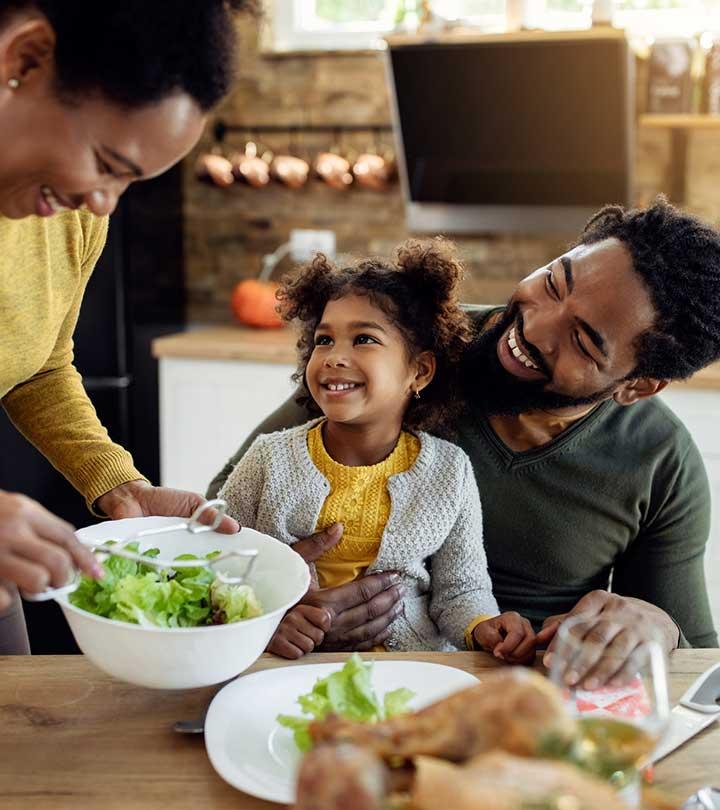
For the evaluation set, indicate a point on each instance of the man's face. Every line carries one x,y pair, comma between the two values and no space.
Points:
568,335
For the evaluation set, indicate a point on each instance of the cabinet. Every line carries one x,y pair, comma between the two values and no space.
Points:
207,410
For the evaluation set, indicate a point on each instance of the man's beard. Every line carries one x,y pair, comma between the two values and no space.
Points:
488,387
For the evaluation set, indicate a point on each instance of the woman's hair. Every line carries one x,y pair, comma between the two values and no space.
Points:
678,258
418,292
136,52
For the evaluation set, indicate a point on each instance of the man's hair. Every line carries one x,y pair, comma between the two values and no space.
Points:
678,258
136,52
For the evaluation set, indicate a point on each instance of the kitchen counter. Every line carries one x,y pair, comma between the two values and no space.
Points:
230,343
278,346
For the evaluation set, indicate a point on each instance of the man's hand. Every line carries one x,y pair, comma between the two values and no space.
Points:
615,626
38,549
140,499
509,637
302,630
361,612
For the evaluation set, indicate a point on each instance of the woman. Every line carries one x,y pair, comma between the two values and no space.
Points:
93,96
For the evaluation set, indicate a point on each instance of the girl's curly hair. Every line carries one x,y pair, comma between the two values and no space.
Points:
419,294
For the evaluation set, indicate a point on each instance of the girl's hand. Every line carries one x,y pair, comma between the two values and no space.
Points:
509,637
38,549
302,630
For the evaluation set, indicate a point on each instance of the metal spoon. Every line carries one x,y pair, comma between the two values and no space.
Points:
196,726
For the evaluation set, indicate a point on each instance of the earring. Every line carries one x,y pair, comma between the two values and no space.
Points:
417,394
13,83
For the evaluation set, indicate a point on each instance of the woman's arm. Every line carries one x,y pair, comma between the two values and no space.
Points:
460,583
53,411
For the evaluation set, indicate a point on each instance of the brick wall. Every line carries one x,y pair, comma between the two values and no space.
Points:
228,231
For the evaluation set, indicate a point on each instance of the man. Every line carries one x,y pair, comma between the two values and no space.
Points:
595,497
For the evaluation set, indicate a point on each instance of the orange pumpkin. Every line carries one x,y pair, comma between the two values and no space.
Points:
253,303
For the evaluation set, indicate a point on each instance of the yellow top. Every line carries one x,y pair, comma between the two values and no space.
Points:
360,501
45,264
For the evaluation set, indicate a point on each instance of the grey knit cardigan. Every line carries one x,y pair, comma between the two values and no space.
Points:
433,536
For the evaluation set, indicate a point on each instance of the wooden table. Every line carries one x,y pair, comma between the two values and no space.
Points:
72,737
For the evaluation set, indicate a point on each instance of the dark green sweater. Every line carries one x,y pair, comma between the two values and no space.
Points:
622,496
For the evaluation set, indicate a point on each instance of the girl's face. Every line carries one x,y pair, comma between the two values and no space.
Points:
359,372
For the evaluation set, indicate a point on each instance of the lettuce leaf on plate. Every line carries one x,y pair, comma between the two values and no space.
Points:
347,693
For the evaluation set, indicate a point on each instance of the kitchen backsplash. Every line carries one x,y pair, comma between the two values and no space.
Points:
229,230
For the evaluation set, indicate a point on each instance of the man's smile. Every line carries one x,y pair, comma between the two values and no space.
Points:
514,357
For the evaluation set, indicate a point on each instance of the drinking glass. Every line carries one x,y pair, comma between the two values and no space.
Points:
620,725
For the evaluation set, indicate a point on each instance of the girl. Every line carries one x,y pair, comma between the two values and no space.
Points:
377,344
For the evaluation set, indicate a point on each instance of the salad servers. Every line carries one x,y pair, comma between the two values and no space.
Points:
217,565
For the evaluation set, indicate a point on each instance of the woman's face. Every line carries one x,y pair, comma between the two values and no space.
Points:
359,372
64,156
55,154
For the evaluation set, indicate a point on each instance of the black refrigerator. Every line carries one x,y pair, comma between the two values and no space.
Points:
136,294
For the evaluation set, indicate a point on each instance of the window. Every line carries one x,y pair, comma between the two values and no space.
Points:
340,24
360,24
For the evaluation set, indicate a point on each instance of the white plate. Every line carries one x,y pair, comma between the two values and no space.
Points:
253,753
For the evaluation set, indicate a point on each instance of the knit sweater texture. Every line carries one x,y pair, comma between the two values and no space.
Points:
433,536
45,265
358,499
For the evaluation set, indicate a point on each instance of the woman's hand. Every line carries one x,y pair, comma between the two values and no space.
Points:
509,637
140,499
38,549
302,630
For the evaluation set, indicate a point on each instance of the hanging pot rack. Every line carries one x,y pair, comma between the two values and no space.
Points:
223,128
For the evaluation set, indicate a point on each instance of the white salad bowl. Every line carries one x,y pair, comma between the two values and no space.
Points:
187,657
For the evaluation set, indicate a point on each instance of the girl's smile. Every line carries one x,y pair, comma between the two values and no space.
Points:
338,387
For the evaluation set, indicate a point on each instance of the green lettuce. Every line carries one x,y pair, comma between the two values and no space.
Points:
142,594
233,603
347,693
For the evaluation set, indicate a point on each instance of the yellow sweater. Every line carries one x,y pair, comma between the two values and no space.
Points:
360,501
45,264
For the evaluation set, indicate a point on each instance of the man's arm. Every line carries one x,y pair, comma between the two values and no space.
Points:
658,585
288,415
243,488
664,565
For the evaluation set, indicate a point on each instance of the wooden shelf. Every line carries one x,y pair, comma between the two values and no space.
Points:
679,126
680,121
466,36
